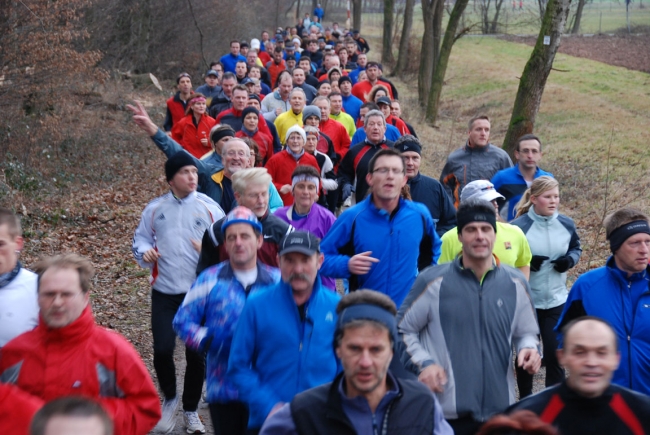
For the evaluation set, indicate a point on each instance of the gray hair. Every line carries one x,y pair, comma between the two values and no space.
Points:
372,113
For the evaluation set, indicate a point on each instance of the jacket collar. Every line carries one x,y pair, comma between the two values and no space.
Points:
622,275
76,331
470,149
263,277
541,219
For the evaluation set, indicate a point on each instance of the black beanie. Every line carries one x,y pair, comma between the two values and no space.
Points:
408,145
249,109
176,162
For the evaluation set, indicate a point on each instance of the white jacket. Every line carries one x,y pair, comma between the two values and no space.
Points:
169,225
18,306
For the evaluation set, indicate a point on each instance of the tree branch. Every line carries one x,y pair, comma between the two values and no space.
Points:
189,2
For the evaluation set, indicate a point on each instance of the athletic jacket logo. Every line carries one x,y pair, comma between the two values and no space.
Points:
508,245
499,303
161,217
329,317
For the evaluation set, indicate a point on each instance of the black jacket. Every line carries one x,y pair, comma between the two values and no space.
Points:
433,195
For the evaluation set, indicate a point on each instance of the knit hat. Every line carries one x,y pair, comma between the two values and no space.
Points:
241,215
310,111
408,145
343,79
249,109
297,129
176,162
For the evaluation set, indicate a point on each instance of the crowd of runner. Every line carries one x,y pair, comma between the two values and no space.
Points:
322,284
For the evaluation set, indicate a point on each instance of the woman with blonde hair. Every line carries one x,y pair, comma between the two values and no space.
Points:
555,246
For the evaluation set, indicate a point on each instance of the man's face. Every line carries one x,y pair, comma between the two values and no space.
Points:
362,60
362,115
395,109
255,198
254,103
312,141
218,68
251,58
244,51
324,107
234,48
312,46
255,73
300,270
351,47
74,425
235,155
477,239
305,194
60,298
412,163
297,102
590,356
277,57
365,353
298,76
242,244
343,57
632,256
336,103
9,247
185,85
373,73
211,81
241,70
345,88
375,129
305,65
295,142
335,62
388,178
313,121
239,99
265,36
286,85
529,154
228,85
479,135
185,181
291,64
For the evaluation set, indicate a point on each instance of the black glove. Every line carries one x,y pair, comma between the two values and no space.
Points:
563,263
536,262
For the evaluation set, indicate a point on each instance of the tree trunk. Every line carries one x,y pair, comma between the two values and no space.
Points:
443,59
297,14
356,14
536,71
387,39
428,50
403,54
576,23
495,20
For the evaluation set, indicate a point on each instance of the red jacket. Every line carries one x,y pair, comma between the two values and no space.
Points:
189,135
264,143
363,88
339,135
175,109
281,167
274,70
399,124
80,359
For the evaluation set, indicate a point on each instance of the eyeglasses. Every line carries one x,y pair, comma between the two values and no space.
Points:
50,297
234,153
385,171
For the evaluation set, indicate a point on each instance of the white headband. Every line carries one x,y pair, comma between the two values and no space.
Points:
304,177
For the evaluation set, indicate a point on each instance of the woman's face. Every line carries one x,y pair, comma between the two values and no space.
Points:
335,86
250,122
380,93
335,76
325,89
547,203
199,107
295,142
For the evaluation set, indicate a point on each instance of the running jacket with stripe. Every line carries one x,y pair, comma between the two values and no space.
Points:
169,225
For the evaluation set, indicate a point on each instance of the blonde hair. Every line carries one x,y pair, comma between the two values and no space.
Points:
245,177
539,186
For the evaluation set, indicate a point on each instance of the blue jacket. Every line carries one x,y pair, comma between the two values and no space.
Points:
275,355
392,134
396,240
624,302
512,185
229,62
352,106
207,319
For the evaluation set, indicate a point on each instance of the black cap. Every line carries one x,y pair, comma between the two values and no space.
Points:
176,162
290,57
382,100
300,241
246,81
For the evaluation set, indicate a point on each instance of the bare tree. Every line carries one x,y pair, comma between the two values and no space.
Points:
356,13
403,53
432,13
489,24
443,59
578,16
536,71
387,38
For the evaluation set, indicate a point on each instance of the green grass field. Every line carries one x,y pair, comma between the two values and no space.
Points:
599,16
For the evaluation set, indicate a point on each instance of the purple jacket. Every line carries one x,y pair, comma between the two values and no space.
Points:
318,222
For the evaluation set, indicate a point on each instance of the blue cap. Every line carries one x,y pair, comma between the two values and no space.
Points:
241,215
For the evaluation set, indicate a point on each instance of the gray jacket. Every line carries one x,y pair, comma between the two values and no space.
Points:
271,102
468,328
469,164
